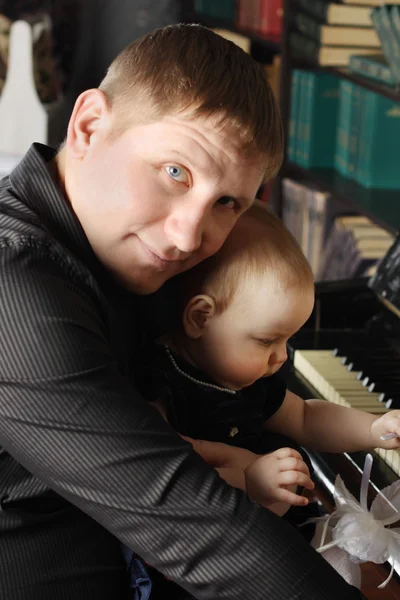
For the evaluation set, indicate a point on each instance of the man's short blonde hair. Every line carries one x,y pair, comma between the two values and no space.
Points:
259,248
190,68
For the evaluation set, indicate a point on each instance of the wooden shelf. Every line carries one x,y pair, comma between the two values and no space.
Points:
272,43
381,206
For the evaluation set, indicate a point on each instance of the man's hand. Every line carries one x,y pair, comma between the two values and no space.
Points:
275,477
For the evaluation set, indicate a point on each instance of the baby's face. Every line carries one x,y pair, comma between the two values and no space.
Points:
248,340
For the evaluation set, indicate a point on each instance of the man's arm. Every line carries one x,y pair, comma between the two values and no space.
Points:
69,417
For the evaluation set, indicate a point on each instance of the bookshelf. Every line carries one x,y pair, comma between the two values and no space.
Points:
381,206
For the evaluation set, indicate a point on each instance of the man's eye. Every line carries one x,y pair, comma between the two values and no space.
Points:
266,342
177,173
228,201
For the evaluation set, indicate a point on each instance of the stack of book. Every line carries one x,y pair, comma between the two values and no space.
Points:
353,248
313,118
335,123
309,214
368,137
329,33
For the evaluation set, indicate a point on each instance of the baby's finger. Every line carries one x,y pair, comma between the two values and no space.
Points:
291,498
295,478
293,464
283,453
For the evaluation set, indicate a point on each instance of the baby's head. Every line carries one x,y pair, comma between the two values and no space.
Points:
242,305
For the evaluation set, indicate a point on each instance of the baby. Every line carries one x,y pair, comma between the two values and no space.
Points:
216,375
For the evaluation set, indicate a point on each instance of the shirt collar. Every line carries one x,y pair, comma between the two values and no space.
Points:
34,181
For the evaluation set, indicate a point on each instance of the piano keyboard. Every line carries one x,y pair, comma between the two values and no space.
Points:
335,383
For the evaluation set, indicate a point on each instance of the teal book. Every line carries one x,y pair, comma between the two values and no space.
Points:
381,20
294,114
356,105
360,163
321,115
395,19
373,67
379,143
341,159
300,127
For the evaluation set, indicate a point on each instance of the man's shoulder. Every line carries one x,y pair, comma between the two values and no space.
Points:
18,222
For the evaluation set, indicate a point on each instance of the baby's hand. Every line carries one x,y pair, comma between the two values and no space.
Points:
270,477
387,424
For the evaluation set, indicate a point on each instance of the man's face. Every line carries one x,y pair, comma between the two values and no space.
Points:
161,197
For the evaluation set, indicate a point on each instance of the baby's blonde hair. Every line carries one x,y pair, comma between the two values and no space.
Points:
258,248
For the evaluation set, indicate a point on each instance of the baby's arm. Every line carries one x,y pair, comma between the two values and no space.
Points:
327,427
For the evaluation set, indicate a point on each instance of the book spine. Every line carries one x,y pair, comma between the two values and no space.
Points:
271,17
375,70
309,102
294,114
300,131
381,22
343,127
354,131
383,165
323,117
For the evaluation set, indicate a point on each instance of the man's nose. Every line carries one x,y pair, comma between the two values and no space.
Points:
186,225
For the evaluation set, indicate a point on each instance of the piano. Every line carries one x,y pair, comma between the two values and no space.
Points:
349,353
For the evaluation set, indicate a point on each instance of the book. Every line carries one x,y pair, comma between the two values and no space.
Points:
294,114
342,148
337,14
295,210
373,67
379,145
333,56
335,35
318,218
382,23
356,113
354,246
321,112
271,12
301,118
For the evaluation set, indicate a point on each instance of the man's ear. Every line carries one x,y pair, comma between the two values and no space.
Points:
91,114
198,312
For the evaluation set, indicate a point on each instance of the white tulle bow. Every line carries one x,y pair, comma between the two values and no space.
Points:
363,533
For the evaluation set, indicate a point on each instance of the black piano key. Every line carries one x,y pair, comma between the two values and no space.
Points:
383,385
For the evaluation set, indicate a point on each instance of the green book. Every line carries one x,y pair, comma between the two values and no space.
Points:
379,143
356,102
373,67
381,19
321,114
300,128
341,159
294,114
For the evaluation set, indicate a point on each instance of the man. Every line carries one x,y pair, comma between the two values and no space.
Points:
157,166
